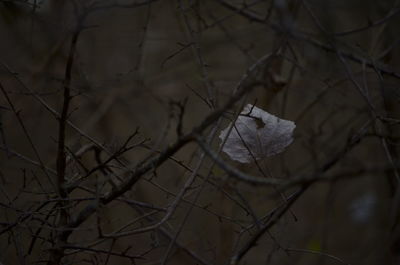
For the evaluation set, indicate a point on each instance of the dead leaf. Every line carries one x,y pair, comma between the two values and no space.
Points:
256,134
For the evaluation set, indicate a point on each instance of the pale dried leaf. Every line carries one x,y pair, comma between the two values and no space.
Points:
256,134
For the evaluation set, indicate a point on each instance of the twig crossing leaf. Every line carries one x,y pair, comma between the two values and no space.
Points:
256,134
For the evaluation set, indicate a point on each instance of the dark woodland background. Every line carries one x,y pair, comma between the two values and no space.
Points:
97,98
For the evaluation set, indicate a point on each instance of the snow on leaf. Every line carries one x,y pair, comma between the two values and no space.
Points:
256,134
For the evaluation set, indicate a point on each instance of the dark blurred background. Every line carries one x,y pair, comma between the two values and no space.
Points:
336,76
